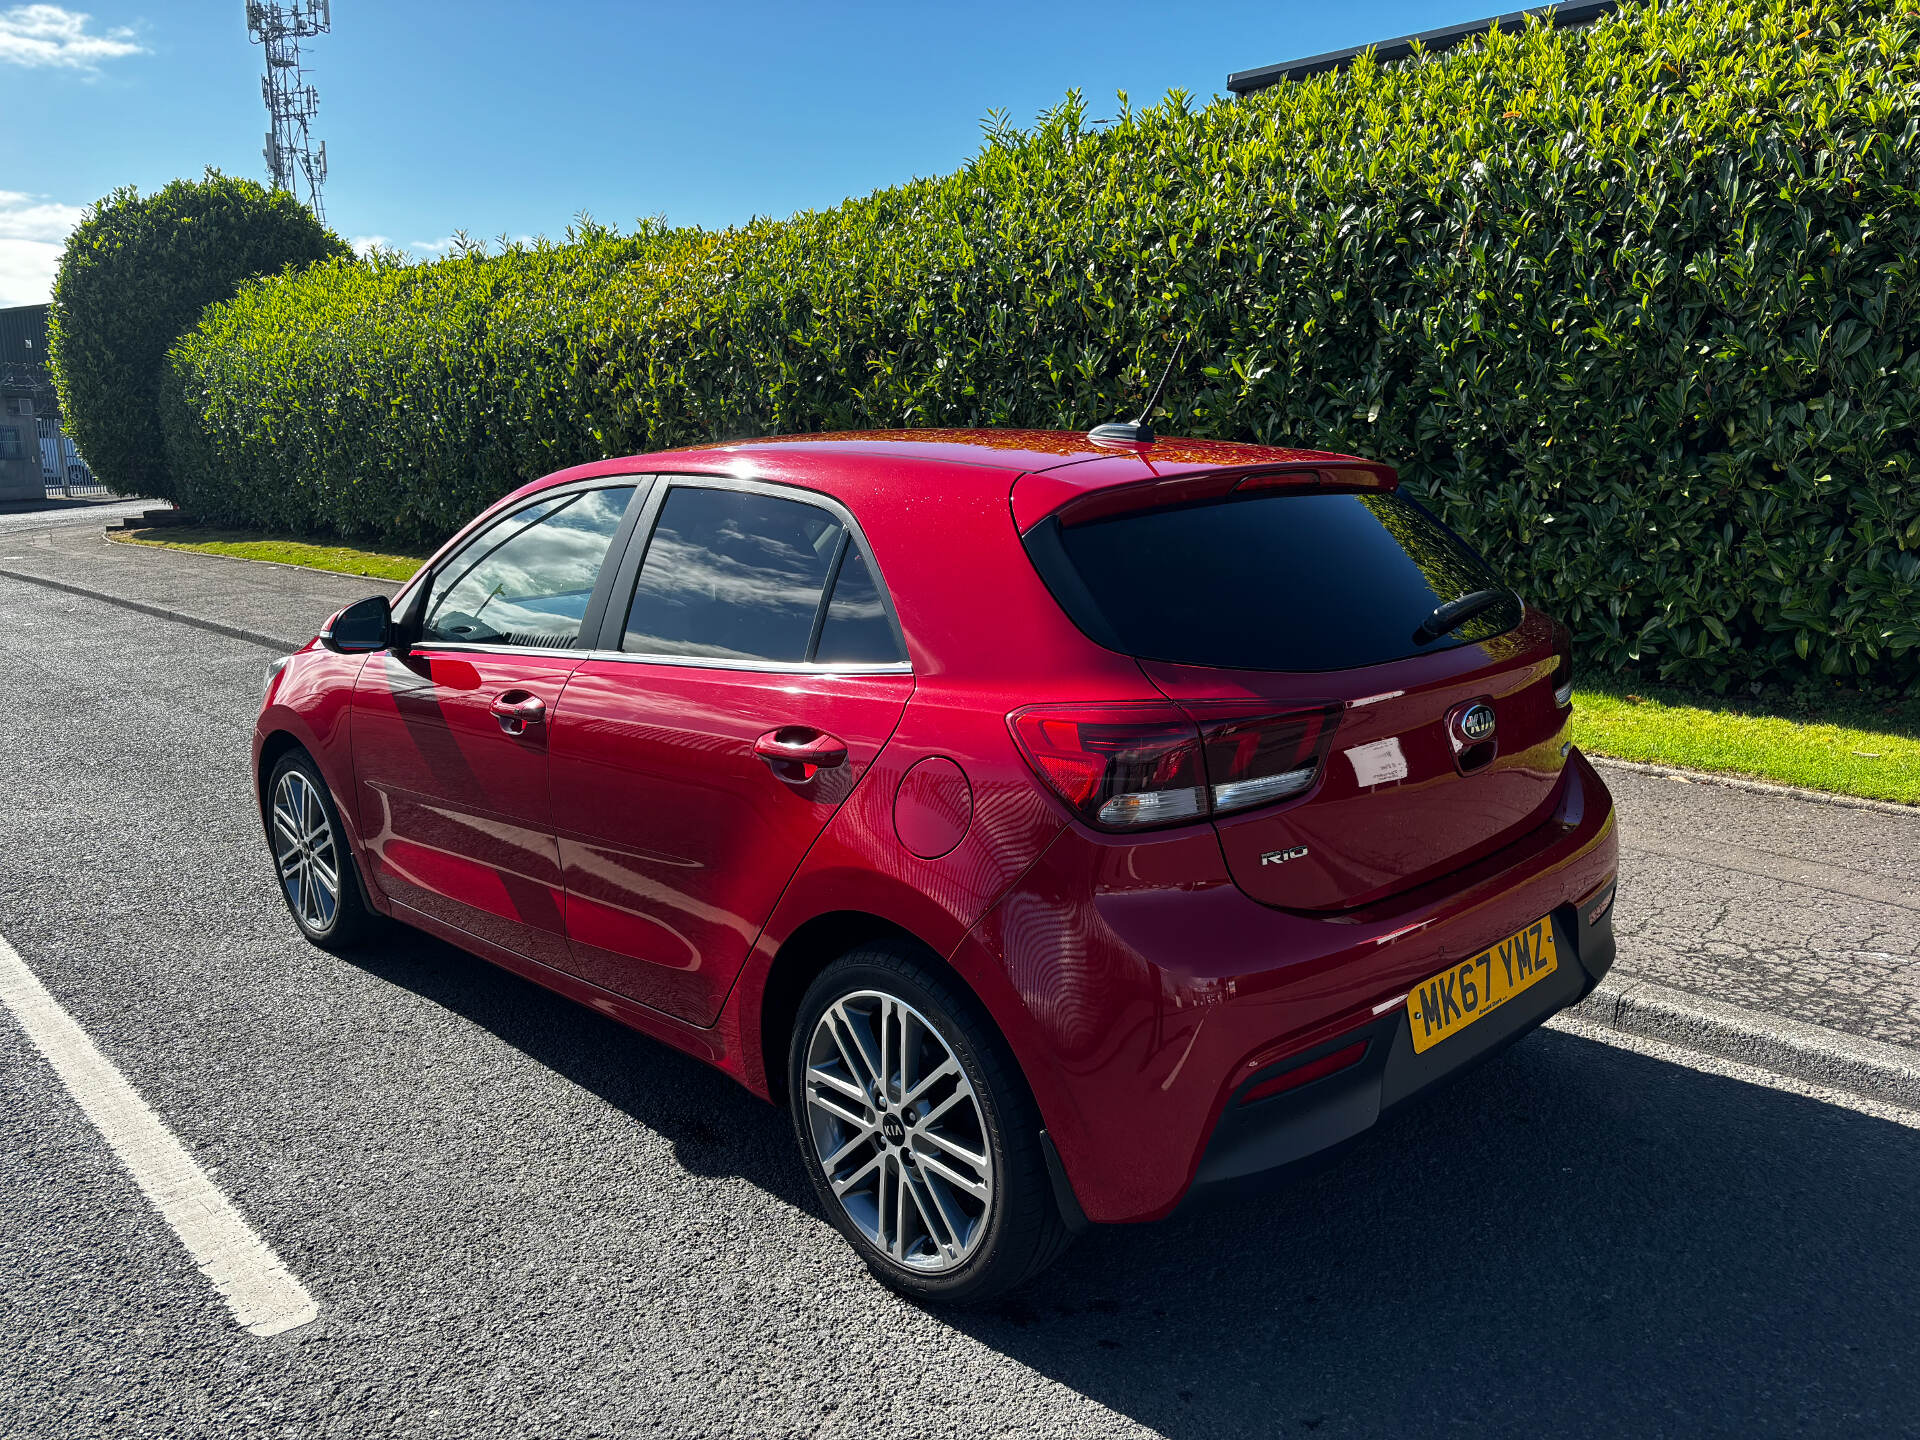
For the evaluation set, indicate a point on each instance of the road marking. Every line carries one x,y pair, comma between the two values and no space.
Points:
262,1293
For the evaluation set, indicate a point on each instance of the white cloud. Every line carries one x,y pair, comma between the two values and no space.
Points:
26,271
54,36
446,244
367,244
33,231
35,217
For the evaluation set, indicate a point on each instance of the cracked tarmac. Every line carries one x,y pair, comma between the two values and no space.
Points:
1771,902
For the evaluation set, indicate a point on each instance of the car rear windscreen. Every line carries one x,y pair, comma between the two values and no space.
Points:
1301,581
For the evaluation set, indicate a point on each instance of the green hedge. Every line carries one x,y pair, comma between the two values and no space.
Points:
138,270
374,397
1635,305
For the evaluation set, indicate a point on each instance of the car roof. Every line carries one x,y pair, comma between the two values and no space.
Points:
991,459
924,496
1022,451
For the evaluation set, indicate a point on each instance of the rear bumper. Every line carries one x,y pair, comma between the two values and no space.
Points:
1153,993
1270,1140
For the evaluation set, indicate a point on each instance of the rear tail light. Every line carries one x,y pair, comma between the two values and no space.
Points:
1563,666
1255,760
1118,766
1128,767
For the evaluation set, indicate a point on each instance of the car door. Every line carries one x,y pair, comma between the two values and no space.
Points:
450,738
750,670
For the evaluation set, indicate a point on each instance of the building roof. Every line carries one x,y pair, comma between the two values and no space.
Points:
1584,12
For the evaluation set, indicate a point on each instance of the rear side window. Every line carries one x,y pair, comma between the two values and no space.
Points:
857,630
1316,581
732,575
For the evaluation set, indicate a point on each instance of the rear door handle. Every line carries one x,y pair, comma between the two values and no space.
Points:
796,753
516,710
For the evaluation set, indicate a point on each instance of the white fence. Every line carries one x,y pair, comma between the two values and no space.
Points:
62,470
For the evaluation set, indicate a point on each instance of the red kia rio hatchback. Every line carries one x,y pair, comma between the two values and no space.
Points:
1061,830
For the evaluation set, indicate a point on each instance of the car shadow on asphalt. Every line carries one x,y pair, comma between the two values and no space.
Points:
1573,1239
715,1126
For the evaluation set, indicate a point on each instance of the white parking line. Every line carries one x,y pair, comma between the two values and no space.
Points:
262,1293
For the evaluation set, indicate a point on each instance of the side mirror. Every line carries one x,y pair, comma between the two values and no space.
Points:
361,628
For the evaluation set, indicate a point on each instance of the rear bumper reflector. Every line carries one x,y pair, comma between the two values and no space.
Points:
1306,1074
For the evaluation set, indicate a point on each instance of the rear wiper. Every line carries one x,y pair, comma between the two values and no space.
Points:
1455,613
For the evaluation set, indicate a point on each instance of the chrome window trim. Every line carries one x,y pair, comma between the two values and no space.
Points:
764,667
694,662
420,647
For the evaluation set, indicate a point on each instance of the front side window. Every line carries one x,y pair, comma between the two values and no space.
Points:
527,578
732,575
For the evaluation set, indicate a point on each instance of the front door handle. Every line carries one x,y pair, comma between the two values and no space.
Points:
516,710
796,753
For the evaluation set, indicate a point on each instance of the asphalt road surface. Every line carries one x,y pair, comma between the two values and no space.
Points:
517,1219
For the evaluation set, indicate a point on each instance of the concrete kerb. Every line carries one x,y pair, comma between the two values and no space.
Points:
1874,1068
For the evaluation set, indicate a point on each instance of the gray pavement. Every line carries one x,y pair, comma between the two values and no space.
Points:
1770,902
275,602
519,1219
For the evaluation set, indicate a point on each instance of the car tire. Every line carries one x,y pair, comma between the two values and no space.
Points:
952,1202
313,862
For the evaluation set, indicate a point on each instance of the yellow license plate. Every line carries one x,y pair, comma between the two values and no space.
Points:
1460,995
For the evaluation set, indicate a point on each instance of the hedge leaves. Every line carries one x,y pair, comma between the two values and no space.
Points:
1637,306
136,272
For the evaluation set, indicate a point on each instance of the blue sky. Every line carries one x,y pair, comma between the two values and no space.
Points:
510,119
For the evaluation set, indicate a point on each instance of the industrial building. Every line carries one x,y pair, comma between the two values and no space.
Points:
37,458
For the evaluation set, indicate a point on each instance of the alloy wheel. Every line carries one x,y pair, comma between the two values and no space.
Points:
306,851
898,1131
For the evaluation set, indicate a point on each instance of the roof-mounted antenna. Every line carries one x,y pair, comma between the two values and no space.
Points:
1138,432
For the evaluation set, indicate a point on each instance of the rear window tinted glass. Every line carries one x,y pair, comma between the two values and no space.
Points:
732,575
1276,582
857,630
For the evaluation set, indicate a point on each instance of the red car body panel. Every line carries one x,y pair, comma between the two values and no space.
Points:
1154,1002
1367,841
1138,980
675,838
456,817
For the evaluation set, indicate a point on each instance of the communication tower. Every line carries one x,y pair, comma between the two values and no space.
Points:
292,157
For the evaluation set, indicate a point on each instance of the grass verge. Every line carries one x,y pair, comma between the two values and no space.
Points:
1849,745
279,550
1845,745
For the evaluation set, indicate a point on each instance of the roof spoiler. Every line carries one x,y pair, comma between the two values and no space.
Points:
1070,505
